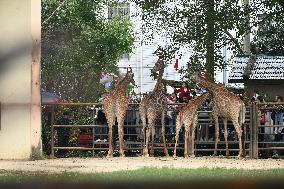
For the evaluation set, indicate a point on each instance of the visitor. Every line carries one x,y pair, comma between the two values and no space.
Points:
171,113
183,91
63,133
278,116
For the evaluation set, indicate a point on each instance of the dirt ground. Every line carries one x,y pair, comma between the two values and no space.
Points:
92,165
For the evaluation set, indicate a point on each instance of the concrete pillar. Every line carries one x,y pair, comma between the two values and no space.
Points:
20,133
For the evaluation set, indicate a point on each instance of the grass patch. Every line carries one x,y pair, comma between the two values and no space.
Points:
149,174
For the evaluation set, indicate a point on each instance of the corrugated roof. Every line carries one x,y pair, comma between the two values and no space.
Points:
265,68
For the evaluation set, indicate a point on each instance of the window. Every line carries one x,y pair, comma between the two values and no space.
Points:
121,9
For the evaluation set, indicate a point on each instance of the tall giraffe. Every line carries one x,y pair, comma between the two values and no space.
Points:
115,105
151,107
226,105
188,117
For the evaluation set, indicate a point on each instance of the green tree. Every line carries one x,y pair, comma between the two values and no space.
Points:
269,39
78,43
205,27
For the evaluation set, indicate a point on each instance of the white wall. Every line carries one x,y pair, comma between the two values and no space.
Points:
20,32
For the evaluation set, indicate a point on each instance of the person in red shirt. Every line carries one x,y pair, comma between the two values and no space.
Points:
183,91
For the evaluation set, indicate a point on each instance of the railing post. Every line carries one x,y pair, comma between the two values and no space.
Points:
52,132
254,132
250,131
257,122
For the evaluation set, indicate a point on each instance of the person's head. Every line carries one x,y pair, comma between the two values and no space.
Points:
185,99
174,96
255,92
259,99
67,115
279,99
184,84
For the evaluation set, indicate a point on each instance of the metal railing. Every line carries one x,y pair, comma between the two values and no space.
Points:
204,132
266,135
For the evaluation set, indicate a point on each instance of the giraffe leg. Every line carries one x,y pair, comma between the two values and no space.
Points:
121,109
239,132
186,138
163,133
178,126
194,125
145,150
189,144
153,140
142,114
215,117
110,140
226,135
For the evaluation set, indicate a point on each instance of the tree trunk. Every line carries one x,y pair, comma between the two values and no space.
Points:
210,39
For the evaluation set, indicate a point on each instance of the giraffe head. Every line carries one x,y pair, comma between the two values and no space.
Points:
130,76
194,76
159,65
204,96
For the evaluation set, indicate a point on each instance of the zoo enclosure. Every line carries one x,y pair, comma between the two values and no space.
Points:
204,139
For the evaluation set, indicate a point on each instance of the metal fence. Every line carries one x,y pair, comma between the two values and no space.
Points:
97,136
267,131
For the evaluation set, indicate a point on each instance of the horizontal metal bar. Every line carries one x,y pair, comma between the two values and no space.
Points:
272,148
270,103
260,126
137,148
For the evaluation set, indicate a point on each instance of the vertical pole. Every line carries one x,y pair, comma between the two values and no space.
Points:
247,33
250,131
256,132
52,132
93,114
225,62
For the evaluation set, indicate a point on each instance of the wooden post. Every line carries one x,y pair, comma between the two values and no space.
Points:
257,123
254,132
250,131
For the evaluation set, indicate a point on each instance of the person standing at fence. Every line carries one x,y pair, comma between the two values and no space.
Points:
172,100
278,116
183,91
63,133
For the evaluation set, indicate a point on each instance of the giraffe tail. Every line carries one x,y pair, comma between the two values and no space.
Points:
242,114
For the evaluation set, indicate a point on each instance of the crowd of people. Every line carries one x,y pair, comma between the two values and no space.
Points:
272,115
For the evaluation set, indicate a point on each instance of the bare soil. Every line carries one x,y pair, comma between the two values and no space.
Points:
95,165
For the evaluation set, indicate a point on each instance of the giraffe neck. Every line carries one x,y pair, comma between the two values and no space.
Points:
123,84
198,101
207,84
159,85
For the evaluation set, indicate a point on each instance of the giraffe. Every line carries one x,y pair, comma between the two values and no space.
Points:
152,106
227,106
115,105
188,117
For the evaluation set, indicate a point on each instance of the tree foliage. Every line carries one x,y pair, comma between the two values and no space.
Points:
205,27
269,38
78,42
